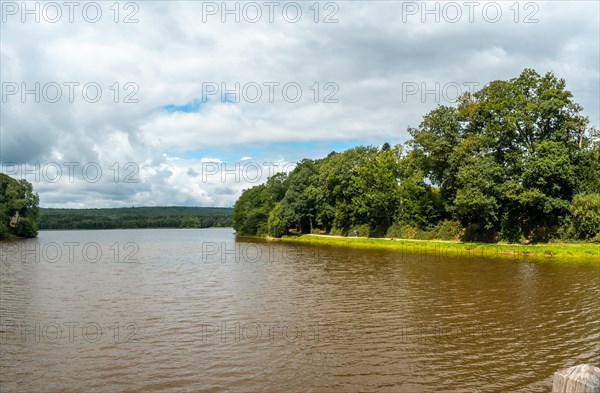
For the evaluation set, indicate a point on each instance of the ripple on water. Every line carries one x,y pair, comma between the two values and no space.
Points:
299,319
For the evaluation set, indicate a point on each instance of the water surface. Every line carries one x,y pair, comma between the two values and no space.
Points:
199,311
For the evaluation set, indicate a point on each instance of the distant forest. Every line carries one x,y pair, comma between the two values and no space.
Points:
135,217
515,161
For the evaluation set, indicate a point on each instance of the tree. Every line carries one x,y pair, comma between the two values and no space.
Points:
505,163
17,200
586,215
251,211
376,197
477,201
275,225
336,210
588,165
507,158
298,207
190,222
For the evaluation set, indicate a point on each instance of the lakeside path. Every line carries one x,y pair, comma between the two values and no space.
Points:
560,251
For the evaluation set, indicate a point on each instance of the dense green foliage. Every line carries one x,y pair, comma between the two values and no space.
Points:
515,161
17,199
136,217
585,212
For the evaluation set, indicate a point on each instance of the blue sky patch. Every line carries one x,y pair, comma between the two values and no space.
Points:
191,107
290,151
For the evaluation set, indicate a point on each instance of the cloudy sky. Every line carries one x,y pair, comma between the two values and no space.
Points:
178,103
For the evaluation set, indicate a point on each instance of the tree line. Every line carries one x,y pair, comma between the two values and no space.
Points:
136,217
21,216
515,161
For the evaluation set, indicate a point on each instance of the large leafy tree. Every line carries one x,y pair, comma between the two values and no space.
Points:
336,208
506,158
434,150
299,206
17,199
251,211
375,182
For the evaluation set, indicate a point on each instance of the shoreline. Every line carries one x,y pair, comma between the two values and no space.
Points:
546,251
111,229
13,238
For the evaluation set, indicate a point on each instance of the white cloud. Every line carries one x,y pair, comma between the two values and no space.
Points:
374,50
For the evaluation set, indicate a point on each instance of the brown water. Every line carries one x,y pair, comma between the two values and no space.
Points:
196,311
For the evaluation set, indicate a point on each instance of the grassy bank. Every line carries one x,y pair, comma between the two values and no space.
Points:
553,250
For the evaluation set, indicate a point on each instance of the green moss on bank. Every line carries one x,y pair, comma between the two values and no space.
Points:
555,250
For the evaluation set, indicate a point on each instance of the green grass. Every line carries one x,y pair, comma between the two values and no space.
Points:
560,251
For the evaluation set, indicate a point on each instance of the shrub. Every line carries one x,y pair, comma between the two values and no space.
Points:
400,230
478,233
446,230
565,231
585,212
337,232
362,230
423,235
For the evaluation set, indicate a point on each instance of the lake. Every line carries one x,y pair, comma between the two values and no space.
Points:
197,310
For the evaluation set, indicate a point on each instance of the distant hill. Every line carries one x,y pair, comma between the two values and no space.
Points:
136,217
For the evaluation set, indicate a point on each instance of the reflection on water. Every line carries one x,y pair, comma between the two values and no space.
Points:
196,310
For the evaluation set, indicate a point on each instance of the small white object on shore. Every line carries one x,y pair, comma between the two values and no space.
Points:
584,378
